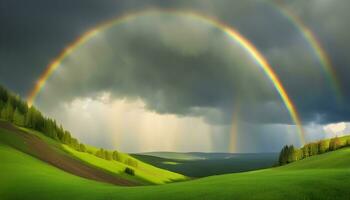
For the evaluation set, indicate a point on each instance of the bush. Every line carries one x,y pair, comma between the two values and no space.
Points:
129,171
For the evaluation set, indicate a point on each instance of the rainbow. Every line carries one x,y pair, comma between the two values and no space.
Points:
245,44
311,38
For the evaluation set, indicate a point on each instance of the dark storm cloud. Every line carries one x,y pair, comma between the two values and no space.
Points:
184,71
36,31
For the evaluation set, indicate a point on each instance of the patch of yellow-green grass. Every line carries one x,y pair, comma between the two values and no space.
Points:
144,171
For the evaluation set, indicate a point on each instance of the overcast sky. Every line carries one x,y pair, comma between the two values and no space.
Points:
167,82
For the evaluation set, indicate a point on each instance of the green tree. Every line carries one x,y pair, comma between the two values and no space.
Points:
313,148
7,112
67,138
101,153
82,148
18,118
2,105
334,144
4,94
291,154
283,157
108,155
116,156
323,147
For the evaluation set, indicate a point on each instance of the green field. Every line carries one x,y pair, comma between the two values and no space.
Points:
325,176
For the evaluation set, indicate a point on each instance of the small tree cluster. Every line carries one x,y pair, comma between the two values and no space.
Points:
131,162
289,154
115,155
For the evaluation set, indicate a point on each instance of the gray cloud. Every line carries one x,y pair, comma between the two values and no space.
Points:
175,64
180,66
31,39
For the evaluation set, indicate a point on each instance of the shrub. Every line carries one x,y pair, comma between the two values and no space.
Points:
129,171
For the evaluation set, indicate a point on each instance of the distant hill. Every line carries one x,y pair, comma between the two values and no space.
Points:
196,164
174,155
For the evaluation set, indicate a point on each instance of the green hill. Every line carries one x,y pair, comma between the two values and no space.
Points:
23,176
82,163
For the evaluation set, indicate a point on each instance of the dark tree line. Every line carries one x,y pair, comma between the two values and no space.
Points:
13,109
290,154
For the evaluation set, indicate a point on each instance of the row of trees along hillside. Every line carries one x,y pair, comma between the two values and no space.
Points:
13,109
290,154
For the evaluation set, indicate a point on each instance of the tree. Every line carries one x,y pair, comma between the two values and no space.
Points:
18,118
74,143
323,147
291,154
2,105
4,94
298,154
131,162
30,118
313,148
334,144
7,112
108,155
67,138
283,157
116,156
82,148
306,152
100,153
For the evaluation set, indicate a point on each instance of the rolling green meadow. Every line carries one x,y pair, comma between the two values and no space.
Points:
325,176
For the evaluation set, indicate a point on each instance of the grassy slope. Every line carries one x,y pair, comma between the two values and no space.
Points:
325,176
144,173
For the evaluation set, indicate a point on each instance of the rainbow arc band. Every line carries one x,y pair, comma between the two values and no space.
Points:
314,43
244,43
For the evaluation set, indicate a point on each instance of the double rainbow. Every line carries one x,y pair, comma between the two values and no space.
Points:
232,33
314,43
